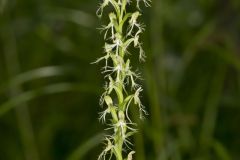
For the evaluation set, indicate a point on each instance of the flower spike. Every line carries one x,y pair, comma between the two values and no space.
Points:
122,90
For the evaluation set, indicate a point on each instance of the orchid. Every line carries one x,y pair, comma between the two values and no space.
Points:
122,32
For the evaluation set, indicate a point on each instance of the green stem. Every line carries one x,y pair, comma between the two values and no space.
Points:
22,112
124,3
119,88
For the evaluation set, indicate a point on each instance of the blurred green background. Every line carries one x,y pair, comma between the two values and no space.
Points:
49,91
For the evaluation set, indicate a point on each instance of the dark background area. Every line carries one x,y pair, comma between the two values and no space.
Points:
49,91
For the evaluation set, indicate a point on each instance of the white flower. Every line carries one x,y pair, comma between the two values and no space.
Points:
109,47
106,57
117,42
132,75
108,148
110,26
117,69
111,85
103,114
122,126
138,102
101,7
133,23
142,55
146,2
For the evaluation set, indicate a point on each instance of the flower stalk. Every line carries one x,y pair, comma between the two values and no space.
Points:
121,89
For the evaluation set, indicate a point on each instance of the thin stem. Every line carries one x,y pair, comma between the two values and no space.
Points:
22,112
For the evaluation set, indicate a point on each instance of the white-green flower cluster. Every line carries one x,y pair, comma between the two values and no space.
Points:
122,31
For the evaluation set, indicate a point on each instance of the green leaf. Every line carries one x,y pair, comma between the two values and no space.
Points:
51,89
84,148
